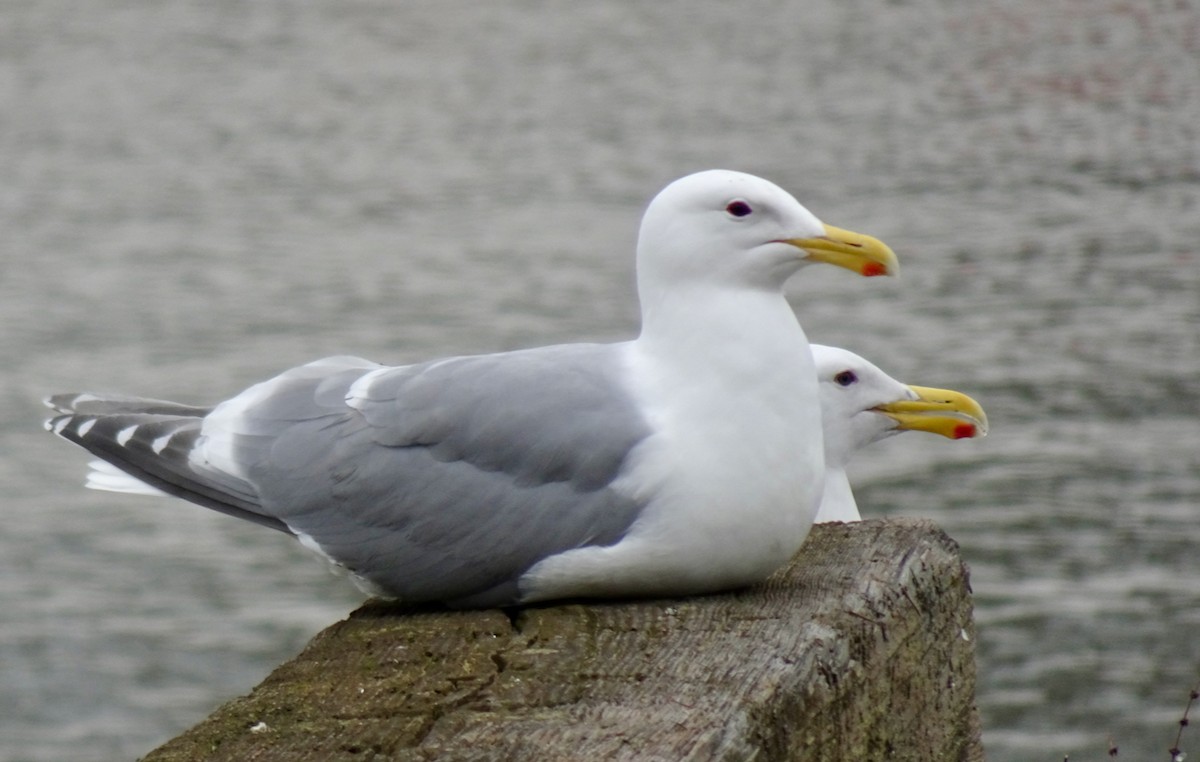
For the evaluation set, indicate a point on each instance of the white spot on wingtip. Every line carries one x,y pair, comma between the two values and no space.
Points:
85,427
106,477
160,444
57,426
125,434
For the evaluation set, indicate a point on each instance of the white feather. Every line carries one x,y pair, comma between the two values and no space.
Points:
124,435
160,444
108,478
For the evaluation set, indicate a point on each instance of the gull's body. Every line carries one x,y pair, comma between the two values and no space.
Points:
861,404
687,460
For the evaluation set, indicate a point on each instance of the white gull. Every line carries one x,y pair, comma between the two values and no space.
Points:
687,460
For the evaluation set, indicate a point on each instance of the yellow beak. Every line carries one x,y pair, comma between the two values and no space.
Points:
939,411
854,251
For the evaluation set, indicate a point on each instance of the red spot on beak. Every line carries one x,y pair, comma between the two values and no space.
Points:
964,431
871,269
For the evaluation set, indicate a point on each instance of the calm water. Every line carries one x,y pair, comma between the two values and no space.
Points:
196,195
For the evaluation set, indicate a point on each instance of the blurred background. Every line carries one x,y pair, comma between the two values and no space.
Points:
197,195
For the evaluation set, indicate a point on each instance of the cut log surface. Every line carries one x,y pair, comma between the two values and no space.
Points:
861,649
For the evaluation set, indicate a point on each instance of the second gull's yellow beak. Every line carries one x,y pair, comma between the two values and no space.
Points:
939,411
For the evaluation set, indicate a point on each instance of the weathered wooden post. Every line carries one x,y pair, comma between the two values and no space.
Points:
861,649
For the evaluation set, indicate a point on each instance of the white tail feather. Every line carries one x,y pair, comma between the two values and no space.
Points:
107,477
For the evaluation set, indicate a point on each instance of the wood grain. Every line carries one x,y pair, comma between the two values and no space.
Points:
861,649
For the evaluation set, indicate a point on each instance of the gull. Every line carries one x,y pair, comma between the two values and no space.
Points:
684,461
861,404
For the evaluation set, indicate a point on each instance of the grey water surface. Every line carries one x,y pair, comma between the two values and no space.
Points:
196,195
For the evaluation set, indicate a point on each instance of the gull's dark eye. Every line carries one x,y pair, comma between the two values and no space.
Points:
738,208
845,378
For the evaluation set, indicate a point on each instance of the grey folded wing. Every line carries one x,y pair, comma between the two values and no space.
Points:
444,480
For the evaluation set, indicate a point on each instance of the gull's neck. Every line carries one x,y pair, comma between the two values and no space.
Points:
838,503
702,327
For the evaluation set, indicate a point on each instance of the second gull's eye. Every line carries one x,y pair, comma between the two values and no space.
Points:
738,208
845,378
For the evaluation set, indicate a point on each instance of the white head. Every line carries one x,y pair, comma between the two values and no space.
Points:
725,228
850,389
861,404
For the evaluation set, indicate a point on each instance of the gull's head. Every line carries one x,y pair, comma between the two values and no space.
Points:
861,404
737,229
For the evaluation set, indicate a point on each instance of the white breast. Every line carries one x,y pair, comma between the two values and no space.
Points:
732,475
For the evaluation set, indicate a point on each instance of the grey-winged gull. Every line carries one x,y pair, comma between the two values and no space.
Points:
861,404
687,460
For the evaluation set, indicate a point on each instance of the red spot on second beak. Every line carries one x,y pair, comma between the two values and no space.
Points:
873,268
964,431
